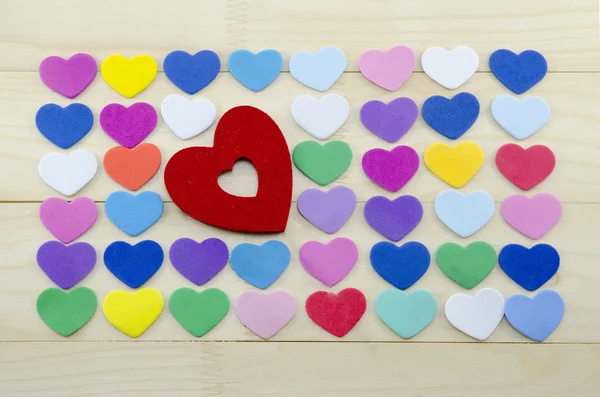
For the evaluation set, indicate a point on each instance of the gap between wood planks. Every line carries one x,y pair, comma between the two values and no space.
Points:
304,341
350,71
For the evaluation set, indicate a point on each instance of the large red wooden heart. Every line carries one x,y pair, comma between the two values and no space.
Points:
526,168
244,132
336,313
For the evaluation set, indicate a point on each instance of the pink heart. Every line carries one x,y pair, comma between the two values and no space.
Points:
391,170
265,314
68,221
533,217
329,263
68,77
388,69
128,126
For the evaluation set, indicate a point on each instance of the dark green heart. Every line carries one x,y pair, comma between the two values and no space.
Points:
323,164
66,312
466,266
198,312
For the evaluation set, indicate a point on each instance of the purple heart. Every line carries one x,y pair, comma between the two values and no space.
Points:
199,262
66,265
68,77
393,219
327,210
391,170
391,121
128,125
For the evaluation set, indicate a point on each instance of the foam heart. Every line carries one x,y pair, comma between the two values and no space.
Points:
134,214
133,264
129,77
318,70
466,266
132,168
322,163
391,170
64,127
255,71
533,217
128,126
321,117
187,118
66,265
389,69
451,117
265,314
189,72
336,313
478,315
133,313
525,168
260,265
464,214
520,118
400,266
68,174
450,69
389,121
454,165
65,312
529,267
329,210
68,221
393,219
68,77
518,72
406,314
198,312
536,317
329,263
199,262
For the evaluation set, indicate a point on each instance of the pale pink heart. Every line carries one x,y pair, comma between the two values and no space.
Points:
68,221
265,314
388,69
329,263
533,217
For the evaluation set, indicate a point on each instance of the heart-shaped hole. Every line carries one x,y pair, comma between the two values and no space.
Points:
241,181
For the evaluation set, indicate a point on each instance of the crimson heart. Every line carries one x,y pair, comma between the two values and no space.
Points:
336,313
526,168
244,132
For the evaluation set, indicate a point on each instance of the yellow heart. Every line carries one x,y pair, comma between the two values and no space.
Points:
129,77
454,165
133,312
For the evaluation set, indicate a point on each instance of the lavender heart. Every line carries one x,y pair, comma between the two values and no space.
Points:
389,121
327,210
199,262
128,126
391,170
66,265
393,219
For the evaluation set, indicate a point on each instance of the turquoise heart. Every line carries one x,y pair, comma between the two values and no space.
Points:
260,265
406,314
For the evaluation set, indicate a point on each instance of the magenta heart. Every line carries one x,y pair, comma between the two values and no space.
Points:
66,265
68,221
128,125
391,170
389,121
533,217
68,77
329,263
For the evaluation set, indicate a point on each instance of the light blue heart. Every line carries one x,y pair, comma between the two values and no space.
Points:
255,71
406,314
536,317
260,265
520,118
134,214
464,214
318,70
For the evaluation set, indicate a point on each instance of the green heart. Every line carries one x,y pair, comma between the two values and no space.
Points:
198,312
66,312
466,266
323,164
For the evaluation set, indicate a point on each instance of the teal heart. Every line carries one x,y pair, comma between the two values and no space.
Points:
406,314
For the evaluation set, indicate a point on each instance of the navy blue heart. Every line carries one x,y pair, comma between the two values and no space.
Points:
133,264
64,127
451,117
400,266
529,267
192,73
518,72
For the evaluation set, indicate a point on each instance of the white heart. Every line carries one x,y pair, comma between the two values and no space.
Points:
68,174
450,68
187,118
478,315
464,214
322,117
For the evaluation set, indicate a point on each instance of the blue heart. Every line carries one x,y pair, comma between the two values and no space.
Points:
520,118
464,214
451,117
530,268
536,317
255,71
134,214
133,264
64,127
192,73
260,265
518,72
320,70
400,266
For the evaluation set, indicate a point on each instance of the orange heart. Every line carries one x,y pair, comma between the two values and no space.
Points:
132,168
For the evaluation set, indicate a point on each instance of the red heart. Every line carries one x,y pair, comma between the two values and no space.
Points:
244,132
336,313
525,167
